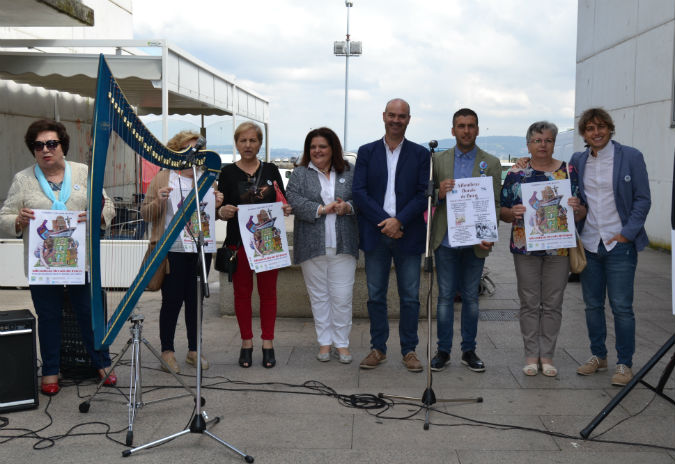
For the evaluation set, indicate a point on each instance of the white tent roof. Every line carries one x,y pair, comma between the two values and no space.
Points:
193,87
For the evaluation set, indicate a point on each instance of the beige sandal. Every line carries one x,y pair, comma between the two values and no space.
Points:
549,370
531,369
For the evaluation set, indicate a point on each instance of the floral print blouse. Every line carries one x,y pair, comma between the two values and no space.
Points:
511,196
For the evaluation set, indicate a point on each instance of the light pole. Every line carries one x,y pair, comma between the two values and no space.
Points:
346,48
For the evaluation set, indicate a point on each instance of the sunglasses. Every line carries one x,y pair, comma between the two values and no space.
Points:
50,144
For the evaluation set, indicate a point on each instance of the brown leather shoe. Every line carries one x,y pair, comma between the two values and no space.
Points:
374,358
412,363
170,358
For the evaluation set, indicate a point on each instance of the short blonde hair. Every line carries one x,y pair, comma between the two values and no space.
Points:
245,126
181,140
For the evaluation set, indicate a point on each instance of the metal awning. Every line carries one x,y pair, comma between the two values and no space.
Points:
171,82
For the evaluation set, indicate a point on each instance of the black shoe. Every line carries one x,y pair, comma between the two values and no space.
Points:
246,357
440,360
472,361
268,360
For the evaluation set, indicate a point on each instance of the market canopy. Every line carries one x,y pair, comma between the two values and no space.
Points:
192,87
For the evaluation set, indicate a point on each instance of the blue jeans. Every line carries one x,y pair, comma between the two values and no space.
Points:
457,269
613,272
378,267
48,303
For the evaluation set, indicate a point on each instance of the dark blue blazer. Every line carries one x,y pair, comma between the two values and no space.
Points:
370,185
631,190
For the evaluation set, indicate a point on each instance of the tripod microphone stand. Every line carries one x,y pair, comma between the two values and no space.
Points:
429,397
135,382
199,419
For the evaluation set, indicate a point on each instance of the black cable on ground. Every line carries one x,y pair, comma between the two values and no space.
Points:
372,404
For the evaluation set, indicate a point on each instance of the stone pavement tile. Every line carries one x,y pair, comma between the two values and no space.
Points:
532,401
446,432
457,376
650,430
562,457
332,456
312,431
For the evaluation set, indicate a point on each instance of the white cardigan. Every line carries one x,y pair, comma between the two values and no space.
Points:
25,192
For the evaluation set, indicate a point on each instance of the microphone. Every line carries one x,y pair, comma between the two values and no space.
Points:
433,144
190,155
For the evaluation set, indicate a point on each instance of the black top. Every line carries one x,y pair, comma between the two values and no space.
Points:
239,188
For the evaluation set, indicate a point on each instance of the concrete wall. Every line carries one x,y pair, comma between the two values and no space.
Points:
112,20
625,51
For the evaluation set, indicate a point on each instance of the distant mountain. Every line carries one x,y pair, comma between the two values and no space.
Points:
502,146
505,146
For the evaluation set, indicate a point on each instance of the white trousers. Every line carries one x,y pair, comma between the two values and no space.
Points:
330,284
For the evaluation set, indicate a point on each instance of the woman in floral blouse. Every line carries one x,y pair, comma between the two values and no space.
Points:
541,275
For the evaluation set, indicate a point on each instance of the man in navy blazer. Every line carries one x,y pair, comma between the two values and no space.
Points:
389,189
613,183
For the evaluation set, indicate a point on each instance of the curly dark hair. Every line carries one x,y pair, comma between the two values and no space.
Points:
337,161
595,115
43,125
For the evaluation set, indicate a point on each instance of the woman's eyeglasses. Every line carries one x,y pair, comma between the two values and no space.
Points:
50,144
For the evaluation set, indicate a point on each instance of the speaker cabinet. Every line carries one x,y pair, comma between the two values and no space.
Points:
18,358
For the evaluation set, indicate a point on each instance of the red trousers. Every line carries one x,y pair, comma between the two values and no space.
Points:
242,281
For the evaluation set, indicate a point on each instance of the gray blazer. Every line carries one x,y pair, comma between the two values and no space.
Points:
309,232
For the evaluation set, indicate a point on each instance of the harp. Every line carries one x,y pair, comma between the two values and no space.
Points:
114,114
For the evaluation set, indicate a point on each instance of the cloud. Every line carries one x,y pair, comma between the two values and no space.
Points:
510,60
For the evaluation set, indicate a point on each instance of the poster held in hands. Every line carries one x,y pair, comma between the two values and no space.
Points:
471,212
56,244
263,236
548,222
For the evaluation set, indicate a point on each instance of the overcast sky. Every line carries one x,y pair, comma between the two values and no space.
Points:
512,61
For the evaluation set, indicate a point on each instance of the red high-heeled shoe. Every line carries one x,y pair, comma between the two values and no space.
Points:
50,389
110,381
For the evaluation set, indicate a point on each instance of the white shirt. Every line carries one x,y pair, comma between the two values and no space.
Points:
328,196
392,161
603,221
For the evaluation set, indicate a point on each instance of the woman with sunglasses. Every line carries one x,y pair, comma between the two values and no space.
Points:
247,181
54,183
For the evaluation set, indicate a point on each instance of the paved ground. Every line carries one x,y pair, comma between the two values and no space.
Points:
270,416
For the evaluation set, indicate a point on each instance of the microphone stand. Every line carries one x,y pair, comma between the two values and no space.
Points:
429,397
200,419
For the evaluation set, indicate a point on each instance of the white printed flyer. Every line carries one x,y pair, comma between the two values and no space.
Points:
471,212
263,236
548,222
56,244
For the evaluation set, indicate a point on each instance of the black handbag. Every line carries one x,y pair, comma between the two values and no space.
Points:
226,261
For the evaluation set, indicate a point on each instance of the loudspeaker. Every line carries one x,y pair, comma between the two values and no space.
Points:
18,358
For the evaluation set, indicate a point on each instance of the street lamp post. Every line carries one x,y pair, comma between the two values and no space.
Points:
346,48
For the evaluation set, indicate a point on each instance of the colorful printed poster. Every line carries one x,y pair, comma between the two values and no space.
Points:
56,244
547,222
207,208
471,212
263,235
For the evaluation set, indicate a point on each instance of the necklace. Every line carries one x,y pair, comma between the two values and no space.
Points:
247,171
325,171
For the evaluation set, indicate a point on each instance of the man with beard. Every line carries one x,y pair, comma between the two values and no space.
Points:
460,268
390,180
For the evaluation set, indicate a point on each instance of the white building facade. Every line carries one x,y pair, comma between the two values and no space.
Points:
625,59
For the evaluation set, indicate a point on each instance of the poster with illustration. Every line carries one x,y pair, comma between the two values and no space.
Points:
263,235
207,208
471,212
548,222
56,244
